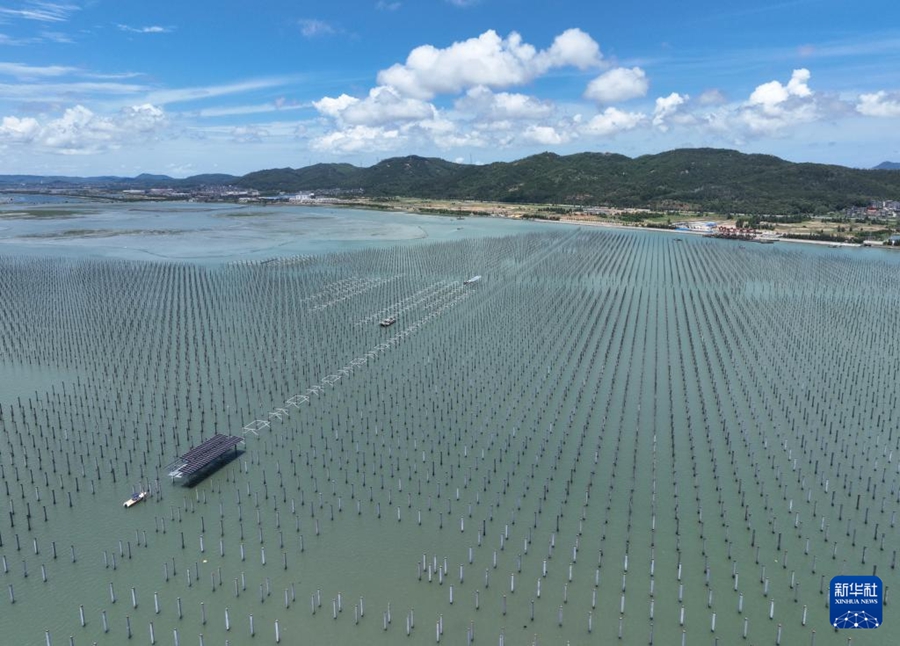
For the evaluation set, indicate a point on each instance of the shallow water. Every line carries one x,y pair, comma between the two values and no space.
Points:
215,234
599,397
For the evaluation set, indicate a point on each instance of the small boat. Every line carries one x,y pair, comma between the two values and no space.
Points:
473,279
389,321
135,499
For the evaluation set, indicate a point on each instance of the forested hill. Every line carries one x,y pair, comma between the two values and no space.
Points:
702,178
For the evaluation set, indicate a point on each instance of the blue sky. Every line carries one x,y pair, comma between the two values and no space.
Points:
90,87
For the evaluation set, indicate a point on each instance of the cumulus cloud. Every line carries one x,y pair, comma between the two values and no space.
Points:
487,60
482,103
382,106
332,107
774,93
78,130
446,133
618,84
612,121
398,110
81,131
545,135
773,107
665,108
140,118
572,47
14,129
357,139
385,105
879,104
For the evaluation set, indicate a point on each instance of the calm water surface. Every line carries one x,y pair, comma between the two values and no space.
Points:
626,432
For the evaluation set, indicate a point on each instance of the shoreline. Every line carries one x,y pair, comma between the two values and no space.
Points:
536,213
465,209
626,227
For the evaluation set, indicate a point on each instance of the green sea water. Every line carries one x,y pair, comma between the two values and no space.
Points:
612,435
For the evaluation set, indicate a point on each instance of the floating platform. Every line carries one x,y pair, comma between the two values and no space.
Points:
204,458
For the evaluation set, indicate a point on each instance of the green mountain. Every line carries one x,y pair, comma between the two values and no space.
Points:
144,180
317,176
207,179
702,179
396,176
888,165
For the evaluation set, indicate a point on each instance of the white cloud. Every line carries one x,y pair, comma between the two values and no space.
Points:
42,11
773,93
484,104
332,107
612,121
356,139
487,60
152,29
9,40
53,91
260,108
14,129
712,97
398,110
78,131
446,134
544,135
384,5
23,71
665,108
56,37
572,47
180,95
140,118
773,123
81,131
773,107
311,27
248,134
619,84
879,104
383,106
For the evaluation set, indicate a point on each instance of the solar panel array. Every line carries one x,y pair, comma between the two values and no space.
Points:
206,453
